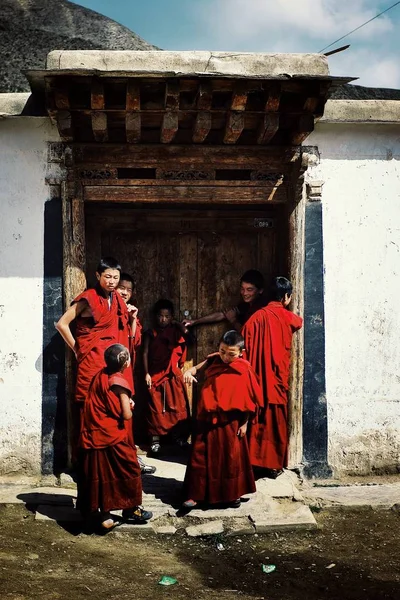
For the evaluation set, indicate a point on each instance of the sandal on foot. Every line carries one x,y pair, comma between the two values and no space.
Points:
155,448
108,523
136,515
189,504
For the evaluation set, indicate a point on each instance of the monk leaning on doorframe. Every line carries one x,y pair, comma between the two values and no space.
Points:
268,337
101,315
252,293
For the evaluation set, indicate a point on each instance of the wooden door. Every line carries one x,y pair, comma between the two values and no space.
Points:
195,258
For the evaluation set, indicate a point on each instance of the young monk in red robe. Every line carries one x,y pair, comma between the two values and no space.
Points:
219,469
109,473
252,293
164,351
268,337
100,316
131,337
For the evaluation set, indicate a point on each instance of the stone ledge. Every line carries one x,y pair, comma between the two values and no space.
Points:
361,111
168,63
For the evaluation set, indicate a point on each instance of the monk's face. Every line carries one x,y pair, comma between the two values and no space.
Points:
108,279
229,353
125,290
249,292
164,318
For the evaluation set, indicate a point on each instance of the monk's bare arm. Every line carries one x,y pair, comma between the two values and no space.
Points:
63,325
189,375
216,317
243,425
126,404
146,342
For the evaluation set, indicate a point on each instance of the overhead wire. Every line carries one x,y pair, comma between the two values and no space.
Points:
360,26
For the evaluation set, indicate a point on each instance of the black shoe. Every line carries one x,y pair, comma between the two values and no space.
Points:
155,448
148,469
235,504
136,515
273,473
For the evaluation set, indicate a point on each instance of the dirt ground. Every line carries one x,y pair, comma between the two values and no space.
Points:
353,555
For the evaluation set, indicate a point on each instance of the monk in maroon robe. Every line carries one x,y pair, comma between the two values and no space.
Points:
219,469
101,316
268,337
109,473
164,352
130,335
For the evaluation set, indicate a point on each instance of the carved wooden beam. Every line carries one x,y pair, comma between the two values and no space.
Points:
305,126
239,97
268,128
169,127
64,124
234,127
99,126
170,120
97,100
61,98
172,95
202,127
274,98
204,96
133,121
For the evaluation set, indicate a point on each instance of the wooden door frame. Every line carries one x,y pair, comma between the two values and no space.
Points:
74,281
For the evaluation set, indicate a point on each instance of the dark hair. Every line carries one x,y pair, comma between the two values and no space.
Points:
280,287
116,357
163,304
108,262
232,338
127,277
254,277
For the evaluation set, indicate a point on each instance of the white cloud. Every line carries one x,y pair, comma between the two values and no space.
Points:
372,69
316,19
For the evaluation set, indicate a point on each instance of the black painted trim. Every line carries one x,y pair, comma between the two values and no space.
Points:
54,413
315,417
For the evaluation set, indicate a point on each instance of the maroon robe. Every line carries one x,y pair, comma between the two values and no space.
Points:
168,400
95,334
268,337
132,343
219,469
109,473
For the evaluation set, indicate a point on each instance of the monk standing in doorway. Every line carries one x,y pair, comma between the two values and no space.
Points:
100,314
268,337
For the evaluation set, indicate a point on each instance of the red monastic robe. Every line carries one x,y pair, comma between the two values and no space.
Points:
94,334
109,473
219,469
132,343
268,337
168,400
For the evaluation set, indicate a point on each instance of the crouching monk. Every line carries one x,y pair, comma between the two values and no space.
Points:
219,469
109,475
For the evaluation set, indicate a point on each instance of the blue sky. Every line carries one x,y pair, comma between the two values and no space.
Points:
271,26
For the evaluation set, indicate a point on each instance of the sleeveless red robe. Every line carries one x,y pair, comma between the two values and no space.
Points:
268,337
168,400
109,474
219,468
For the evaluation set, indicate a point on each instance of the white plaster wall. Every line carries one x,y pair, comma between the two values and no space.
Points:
360,165
23,192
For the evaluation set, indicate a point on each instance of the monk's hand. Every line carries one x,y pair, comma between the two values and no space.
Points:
188,376
187,323
148,380
131,404
242,431
133,311
230,315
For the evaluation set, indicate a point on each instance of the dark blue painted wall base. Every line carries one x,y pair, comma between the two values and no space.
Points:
315,429
54,415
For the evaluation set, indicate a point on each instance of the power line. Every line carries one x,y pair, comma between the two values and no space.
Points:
359,27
